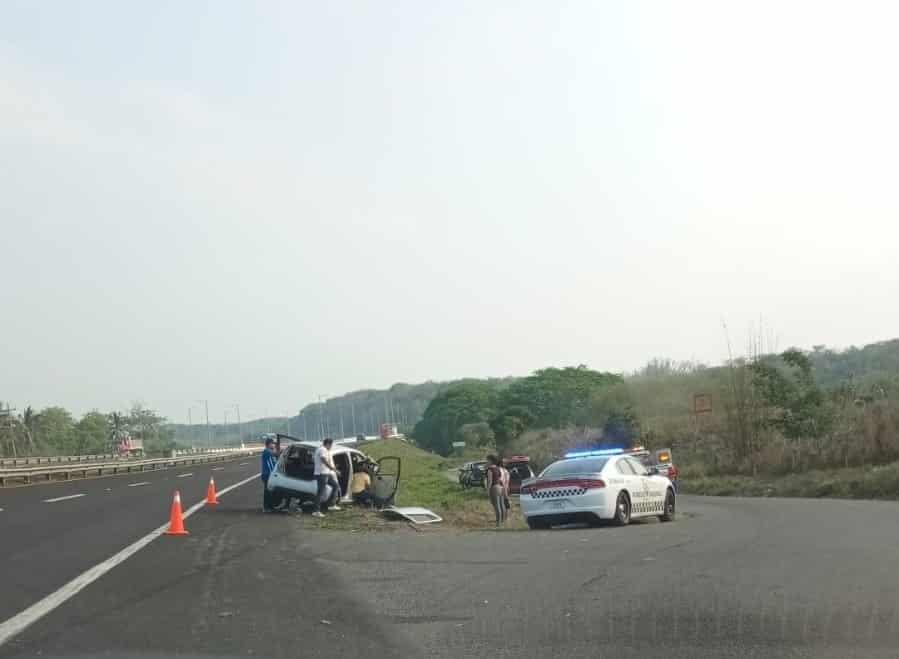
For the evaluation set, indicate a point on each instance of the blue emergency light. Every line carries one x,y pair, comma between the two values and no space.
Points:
595,453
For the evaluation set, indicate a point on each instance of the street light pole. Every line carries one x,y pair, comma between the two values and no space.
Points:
321,419
208,429
239,424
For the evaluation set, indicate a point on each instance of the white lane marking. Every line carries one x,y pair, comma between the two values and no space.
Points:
20,621
71,496
243,464
185,475
138,484
217,468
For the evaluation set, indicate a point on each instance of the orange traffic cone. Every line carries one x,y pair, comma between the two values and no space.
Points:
210,493
176,525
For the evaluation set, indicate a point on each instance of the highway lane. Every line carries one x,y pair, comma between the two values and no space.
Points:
52,532
731,578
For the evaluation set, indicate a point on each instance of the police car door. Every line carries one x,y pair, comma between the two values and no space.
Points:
645,500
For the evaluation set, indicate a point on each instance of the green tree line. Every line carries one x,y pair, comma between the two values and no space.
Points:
55,431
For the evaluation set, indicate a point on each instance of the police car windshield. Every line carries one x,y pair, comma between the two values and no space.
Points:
576,466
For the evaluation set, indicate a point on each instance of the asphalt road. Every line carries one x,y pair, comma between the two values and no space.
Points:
730,578
48,539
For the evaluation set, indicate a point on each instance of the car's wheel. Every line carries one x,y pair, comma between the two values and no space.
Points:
669,509
623,509
536,523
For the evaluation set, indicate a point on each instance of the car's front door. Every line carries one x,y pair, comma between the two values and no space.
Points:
386,481
654,496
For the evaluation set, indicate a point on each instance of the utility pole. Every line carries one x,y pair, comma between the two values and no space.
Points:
340,409
225,428
288,423
208,428
239,424
353,412
321,419
305,436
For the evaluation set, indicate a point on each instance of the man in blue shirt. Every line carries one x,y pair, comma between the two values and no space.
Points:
269,460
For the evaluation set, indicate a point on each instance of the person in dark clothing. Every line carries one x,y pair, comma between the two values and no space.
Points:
269,461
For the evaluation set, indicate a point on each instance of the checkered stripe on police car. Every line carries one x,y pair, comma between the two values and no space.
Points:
562,492
647,507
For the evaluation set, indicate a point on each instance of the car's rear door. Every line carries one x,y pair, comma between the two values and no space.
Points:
387,480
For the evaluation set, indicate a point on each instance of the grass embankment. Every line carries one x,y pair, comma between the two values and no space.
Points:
424,483
876,482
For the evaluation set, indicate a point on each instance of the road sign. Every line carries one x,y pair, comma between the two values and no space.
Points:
702,403
458,444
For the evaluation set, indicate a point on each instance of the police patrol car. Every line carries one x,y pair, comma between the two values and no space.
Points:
607,484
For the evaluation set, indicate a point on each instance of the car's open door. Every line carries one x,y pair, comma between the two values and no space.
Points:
386,481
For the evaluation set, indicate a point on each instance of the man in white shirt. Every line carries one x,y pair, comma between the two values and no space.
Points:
325,474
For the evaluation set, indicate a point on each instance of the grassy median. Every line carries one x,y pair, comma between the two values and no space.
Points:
426,480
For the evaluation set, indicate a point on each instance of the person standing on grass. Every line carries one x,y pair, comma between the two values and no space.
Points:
507,479
325,474
496,491
269,460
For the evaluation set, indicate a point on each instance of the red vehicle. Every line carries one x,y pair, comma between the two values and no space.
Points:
519,467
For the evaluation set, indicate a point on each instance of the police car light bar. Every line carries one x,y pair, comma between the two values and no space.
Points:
595,453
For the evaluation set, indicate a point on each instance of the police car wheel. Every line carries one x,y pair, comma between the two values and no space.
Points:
669,513
623,509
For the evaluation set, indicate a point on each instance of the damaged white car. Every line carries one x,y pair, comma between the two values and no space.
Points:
293,476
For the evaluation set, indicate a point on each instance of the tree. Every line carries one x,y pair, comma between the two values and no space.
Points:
510,424
613,409
55,428
557,397
799,408
477,434
467,402
145,424
91,433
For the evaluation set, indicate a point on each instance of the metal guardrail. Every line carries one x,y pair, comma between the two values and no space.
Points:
66,459
38,460
31,474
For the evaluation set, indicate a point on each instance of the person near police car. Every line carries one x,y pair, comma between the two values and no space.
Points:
496,484
325,474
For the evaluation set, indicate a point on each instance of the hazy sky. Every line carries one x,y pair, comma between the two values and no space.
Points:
260,202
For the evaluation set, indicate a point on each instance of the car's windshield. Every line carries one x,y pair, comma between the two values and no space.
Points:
576,466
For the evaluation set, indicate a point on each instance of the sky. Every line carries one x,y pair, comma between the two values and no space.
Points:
261,203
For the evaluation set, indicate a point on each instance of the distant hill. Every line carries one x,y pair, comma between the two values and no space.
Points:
357,412
662,388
